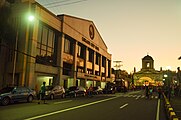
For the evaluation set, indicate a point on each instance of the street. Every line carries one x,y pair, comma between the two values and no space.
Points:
119,106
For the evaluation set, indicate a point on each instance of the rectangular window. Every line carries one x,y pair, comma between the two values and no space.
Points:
67,46
97,59
103,62
147,65
39,34
91,56
45,45
79,51
44,36
50,38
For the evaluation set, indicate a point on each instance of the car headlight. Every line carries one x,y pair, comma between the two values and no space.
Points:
71,92
47,92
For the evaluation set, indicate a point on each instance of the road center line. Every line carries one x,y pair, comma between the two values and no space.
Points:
62,102
158,110
68,109
124,106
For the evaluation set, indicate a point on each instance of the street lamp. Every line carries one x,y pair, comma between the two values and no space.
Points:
165,78
165,75
31,18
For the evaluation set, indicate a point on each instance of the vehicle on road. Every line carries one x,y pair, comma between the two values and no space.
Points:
109,90
54,92
16,94
97,90
75,91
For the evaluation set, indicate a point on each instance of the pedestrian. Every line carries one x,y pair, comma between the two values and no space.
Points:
147,92
42,93
151,91
159,93
90,91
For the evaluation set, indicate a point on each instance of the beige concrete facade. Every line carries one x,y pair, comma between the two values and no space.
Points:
61,49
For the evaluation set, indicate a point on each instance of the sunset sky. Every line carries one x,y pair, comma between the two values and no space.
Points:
131,29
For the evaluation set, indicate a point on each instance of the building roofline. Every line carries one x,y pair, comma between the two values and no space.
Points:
84,20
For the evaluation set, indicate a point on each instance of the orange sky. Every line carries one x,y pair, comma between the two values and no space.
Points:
132,29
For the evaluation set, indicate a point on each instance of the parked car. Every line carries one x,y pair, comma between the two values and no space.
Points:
75,91
97,90
54,92
16,94
109,90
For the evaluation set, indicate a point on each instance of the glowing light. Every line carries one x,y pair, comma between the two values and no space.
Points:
165,75
31,18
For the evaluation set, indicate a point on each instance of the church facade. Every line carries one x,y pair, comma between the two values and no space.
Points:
148,75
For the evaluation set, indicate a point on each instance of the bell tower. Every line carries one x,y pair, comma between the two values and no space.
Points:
147,63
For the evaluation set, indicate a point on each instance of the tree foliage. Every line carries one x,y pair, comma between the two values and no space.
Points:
6,30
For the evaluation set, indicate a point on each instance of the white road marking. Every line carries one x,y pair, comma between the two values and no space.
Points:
138,97
124,106
142,96
62,102
158,110
68,109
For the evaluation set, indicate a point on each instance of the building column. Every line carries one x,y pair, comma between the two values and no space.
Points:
60,51
94,63
110,70
100,66
24,58
75,63
85,64
31,50
106,69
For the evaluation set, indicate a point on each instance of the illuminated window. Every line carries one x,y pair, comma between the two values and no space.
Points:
79,51
147,65
69,45
45,45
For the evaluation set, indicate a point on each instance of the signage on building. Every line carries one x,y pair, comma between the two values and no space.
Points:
91,32
90,44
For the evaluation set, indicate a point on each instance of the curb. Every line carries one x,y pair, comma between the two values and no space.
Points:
169,110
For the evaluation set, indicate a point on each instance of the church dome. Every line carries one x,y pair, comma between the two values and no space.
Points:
147,58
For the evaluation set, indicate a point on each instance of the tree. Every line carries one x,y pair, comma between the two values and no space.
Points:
179,58
6,31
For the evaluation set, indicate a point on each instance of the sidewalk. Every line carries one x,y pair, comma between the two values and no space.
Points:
176,104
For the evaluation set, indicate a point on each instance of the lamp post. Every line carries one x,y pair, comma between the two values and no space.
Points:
15,55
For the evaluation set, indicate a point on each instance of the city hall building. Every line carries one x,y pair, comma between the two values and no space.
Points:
61,49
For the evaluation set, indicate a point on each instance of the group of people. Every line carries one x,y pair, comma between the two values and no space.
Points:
149,91
169,91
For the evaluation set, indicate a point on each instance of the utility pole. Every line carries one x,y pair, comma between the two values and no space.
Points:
118,79
117,64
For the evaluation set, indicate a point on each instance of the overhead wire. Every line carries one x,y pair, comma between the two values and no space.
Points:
55,2
65,4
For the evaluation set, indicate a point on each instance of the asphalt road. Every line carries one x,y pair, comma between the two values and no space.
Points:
129,106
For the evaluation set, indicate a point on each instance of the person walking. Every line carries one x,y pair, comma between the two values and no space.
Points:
42,93
90,90
151,92
147,92
159,92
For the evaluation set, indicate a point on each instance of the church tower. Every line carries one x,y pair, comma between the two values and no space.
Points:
147,63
